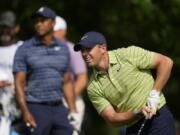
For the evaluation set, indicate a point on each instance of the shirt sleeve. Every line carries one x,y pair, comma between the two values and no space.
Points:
141,58
20,64
97,99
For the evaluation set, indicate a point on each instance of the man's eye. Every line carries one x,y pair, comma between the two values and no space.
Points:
86,49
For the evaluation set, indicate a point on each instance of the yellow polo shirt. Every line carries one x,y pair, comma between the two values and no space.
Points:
128,82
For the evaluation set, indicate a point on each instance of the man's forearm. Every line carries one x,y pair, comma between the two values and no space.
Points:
20,96
5,83
121,119
20,84
22,102
69,96
80,83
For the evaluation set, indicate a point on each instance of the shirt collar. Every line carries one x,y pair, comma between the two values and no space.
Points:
38,42
112,58
97,73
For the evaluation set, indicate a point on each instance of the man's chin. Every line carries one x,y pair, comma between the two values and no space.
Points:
90,64
40,34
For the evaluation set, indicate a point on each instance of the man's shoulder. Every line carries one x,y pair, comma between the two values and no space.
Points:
18,43
24,46
70,45
117,54
15,46
31,41
124,51
131,50
128,48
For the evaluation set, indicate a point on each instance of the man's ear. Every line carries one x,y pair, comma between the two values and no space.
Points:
53,23
103,47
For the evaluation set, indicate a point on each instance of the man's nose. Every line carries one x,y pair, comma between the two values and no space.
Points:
38,23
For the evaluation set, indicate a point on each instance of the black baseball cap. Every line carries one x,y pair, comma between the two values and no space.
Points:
90,39
7,19
45,12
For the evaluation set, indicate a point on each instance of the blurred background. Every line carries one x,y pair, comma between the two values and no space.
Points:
151,24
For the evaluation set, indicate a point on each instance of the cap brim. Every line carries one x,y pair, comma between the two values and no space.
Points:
77,47
87,44
36,15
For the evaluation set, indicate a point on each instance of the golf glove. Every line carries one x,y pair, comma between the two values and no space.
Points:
153,101
74,120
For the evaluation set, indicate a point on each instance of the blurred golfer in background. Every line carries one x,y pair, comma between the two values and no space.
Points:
8,46
79,72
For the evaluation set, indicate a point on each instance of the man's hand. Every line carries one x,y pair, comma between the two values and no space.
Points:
153,101
5,83
145,111
29,120
74,120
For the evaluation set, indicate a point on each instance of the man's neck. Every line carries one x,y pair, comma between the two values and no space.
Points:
47,39
104,63
63,39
